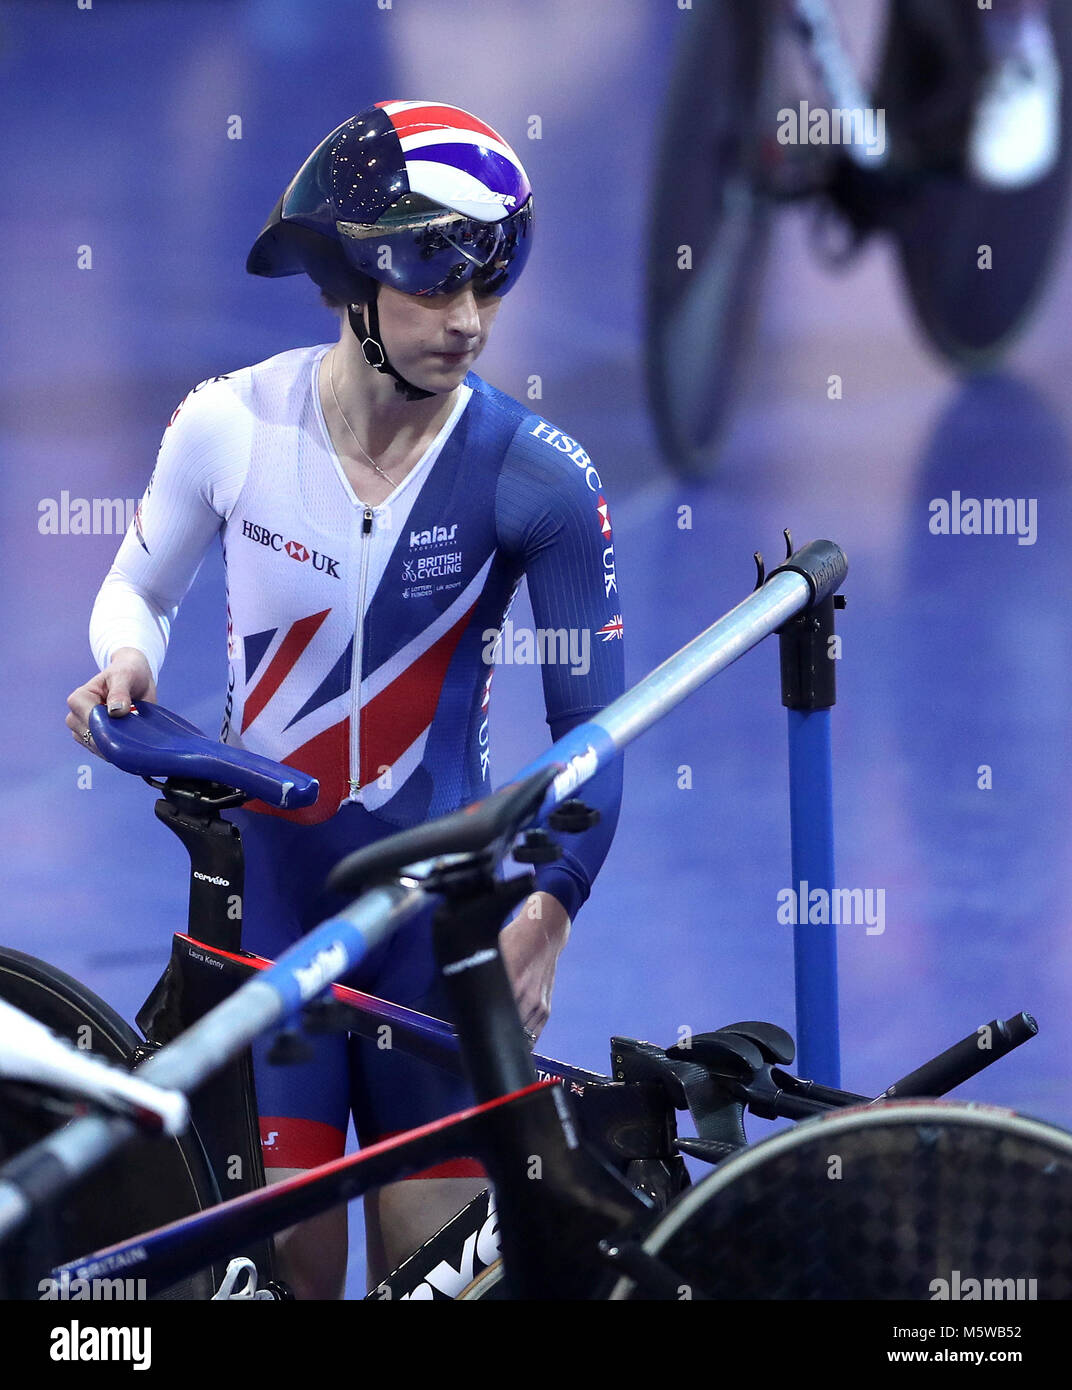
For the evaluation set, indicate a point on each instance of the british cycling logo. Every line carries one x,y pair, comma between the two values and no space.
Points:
273,540
418,571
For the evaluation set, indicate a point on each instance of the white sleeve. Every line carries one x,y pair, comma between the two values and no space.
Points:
200,469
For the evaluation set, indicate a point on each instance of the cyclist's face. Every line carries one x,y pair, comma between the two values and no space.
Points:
433,340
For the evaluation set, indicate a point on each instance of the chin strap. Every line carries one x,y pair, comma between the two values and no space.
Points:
374,352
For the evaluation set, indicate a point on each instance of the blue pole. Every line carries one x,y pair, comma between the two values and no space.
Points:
815,944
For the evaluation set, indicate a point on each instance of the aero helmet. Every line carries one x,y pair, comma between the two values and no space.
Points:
414,194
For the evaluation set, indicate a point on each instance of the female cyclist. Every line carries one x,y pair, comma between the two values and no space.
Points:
378,505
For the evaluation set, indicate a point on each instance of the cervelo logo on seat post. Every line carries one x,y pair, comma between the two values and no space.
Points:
212,878
297,550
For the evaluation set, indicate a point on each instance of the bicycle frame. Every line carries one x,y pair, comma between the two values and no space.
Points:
171,1253
551,1228
818,28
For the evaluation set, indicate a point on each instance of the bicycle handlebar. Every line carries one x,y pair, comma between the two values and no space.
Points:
488,825
773,1093
964,1059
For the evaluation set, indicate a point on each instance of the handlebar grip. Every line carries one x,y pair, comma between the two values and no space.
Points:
822,563
964,1059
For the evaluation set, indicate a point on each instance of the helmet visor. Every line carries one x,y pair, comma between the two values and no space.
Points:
432,250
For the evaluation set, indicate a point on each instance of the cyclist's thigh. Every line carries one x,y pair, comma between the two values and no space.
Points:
392,1091
303,1104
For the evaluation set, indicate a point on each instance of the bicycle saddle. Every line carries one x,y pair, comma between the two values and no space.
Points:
153,742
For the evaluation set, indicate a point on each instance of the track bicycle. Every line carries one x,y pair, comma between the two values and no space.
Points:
562,1235
629,1117
725,165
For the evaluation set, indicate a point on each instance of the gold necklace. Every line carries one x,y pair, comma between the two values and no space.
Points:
346,422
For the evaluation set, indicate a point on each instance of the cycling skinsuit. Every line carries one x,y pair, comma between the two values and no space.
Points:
360,647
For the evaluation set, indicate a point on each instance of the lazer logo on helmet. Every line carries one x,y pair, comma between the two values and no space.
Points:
565,445
295,549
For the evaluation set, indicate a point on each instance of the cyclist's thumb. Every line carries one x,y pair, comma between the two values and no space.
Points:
118,696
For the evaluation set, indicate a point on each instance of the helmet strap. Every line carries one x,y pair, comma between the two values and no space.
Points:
374,351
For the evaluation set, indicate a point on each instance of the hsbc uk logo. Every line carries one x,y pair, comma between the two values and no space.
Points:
295,549
610,579
575,452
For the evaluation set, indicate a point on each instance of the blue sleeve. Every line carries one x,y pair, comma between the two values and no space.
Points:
552,511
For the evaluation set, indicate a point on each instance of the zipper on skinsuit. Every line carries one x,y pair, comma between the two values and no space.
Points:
355,667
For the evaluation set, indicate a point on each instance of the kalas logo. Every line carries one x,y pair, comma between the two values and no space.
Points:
435,535
295,549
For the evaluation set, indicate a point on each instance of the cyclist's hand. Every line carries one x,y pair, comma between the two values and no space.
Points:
530,946
126,680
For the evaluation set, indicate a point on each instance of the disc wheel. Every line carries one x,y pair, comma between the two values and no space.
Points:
150,1183
880,1202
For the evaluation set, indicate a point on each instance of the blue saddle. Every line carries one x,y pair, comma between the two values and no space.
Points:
153,742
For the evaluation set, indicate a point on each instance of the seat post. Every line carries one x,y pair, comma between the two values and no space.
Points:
217,872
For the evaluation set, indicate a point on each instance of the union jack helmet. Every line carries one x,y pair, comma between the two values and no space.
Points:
417,195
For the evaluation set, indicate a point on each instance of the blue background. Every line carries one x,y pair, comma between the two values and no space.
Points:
956,649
